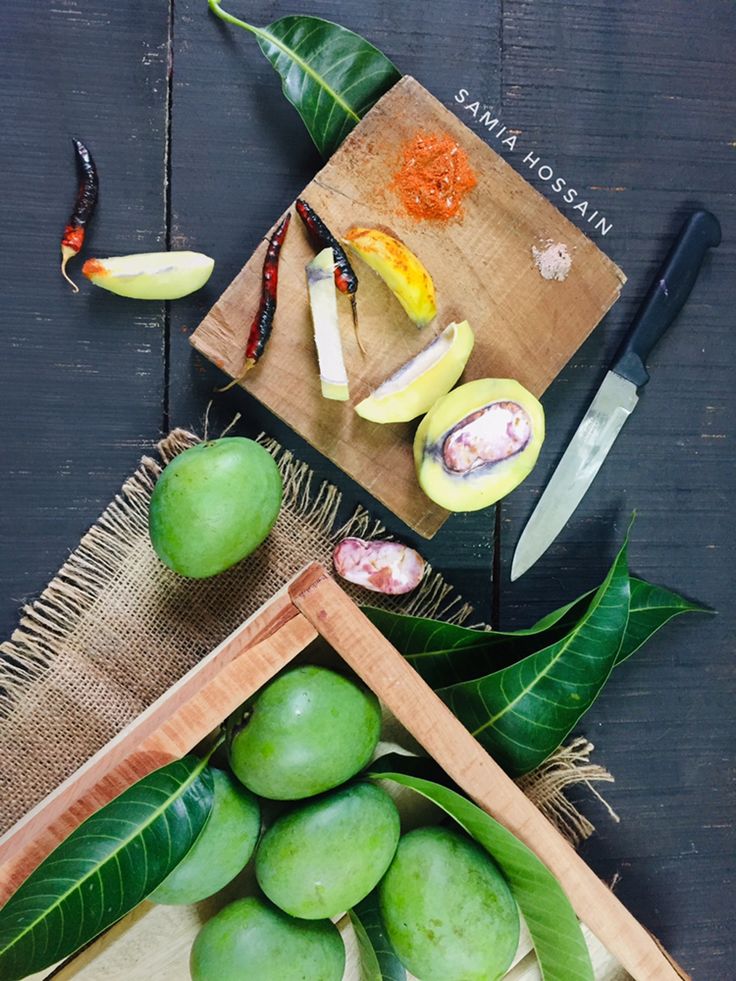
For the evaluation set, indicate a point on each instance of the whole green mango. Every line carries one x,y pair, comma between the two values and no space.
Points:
213,505
309,730
324,857
447,909
223,848
251,939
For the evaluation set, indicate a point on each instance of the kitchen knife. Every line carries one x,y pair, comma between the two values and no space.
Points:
617,397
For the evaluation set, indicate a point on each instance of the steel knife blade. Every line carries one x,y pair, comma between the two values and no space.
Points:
618,395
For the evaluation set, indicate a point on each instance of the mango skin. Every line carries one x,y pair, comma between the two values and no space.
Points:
419,395
222,849
400,270
309,730
447,909
483,487
213,505
250,938
327,855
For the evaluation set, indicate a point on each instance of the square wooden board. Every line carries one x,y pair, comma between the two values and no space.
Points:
525,327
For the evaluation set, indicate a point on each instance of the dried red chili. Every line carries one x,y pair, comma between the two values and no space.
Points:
84,206
322,238
260,329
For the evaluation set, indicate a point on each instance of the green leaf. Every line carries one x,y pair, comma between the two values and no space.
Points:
558,940
378,961
105,867
522,713
651,607
445,654
330,75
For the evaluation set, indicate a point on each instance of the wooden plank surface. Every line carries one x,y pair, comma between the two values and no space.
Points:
81,375
482,264
619,102
632,104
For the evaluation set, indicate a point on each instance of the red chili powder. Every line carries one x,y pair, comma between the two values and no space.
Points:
433,177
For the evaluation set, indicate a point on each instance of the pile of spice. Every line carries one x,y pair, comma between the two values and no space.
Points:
433,177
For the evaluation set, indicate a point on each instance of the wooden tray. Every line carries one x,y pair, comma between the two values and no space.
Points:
526,327
313,605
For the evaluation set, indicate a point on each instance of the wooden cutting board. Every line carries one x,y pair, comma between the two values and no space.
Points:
482,264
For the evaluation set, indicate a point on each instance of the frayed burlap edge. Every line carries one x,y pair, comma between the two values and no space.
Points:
45,623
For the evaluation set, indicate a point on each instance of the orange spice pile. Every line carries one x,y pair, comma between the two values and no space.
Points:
433,177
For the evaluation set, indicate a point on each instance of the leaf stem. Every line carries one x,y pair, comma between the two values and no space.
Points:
216,9
270,38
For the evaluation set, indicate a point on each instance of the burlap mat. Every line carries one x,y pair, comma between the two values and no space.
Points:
116,628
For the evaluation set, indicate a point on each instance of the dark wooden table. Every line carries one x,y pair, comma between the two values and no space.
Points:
631,103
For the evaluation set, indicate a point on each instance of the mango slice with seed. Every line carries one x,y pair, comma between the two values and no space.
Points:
478,443
415,387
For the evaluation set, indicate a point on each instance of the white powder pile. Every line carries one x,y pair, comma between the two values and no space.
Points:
553,262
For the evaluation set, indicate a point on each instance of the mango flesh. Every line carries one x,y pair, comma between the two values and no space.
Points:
251,939
399,268
447,909
309,730
324,857
478,443
151,275
213,505
416,386
222,849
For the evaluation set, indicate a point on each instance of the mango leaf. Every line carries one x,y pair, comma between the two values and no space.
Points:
522,713
378,960
650,608
105,867
330,75
445,654
558,940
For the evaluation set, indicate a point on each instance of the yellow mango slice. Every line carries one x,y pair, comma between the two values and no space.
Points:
415,387
400,270
478,443
151,275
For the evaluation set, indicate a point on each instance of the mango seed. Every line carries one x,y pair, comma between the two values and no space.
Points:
478,443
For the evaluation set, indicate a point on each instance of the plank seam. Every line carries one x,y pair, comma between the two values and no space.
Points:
165,407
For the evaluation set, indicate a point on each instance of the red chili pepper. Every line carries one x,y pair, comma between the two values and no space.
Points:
260,329
322,238
84,206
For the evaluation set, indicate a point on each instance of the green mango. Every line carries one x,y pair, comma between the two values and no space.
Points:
325,856
213,505
309,730
223,848
447,909
251,939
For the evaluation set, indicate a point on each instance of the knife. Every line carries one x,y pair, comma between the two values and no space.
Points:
617,397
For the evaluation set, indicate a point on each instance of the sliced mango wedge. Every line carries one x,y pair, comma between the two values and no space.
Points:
400,270
415,387
151,275
478,443
323,301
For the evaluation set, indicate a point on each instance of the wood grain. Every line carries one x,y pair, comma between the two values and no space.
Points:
632,103
81,375
314,605
170,728
525,327
622,105
428,719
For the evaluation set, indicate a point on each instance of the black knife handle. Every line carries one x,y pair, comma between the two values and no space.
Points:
667,294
